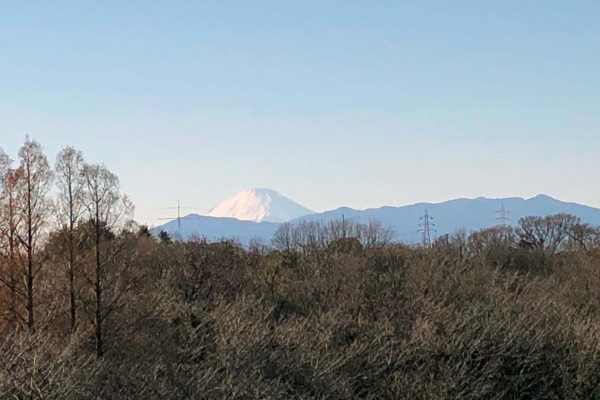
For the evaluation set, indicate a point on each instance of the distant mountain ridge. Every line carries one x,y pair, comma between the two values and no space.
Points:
468,214
217,228
449,216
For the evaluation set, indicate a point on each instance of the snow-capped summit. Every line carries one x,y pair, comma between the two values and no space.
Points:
259,205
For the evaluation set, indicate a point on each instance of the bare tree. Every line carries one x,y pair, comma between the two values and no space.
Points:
547,233
5,163
374,234
34,206
69,169
484,239
318,234
584,237
283,238
106,208
10,223
4,166
7,232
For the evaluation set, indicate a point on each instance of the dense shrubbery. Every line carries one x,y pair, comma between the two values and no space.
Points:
328,311
328,320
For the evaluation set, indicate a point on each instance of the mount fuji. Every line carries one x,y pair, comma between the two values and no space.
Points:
259,205
249,214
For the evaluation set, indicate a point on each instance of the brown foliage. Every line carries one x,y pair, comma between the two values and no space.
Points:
333,311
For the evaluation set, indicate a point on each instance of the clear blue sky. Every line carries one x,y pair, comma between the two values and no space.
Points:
357,103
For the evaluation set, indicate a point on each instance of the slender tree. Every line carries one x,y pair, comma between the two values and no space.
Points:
7,231
69,178
4,166
106,208
35,208
14,178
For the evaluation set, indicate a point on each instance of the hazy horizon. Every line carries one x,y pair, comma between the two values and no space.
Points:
339,104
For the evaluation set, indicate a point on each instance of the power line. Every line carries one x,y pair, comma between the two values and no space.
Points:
179,207
426,227
178,218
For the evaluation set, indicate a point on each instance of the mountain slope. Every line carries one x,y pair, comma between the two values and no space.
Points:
469,214
216,228
259,205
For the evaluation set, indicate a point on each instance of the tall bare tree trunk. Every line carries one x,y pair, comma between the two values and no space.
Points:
12,260
105,207
29,246
35,210
72,305
98,287
68,170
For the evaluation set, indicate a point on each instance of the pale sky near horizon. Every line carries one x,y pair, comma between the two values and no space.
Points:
331,103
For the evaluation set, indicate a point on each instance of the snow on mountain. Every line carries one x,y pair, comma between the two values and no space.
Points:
259,205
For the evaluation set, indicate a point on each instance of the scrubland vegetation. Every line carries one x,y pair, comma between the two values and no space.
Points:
93,306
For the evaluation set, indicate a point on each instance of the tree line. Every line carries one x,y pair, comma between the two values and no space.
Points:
93,306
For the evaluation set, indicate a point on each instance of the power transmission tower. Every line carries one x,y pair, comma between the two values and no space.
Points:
178,215
426,227
503,216
178,218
